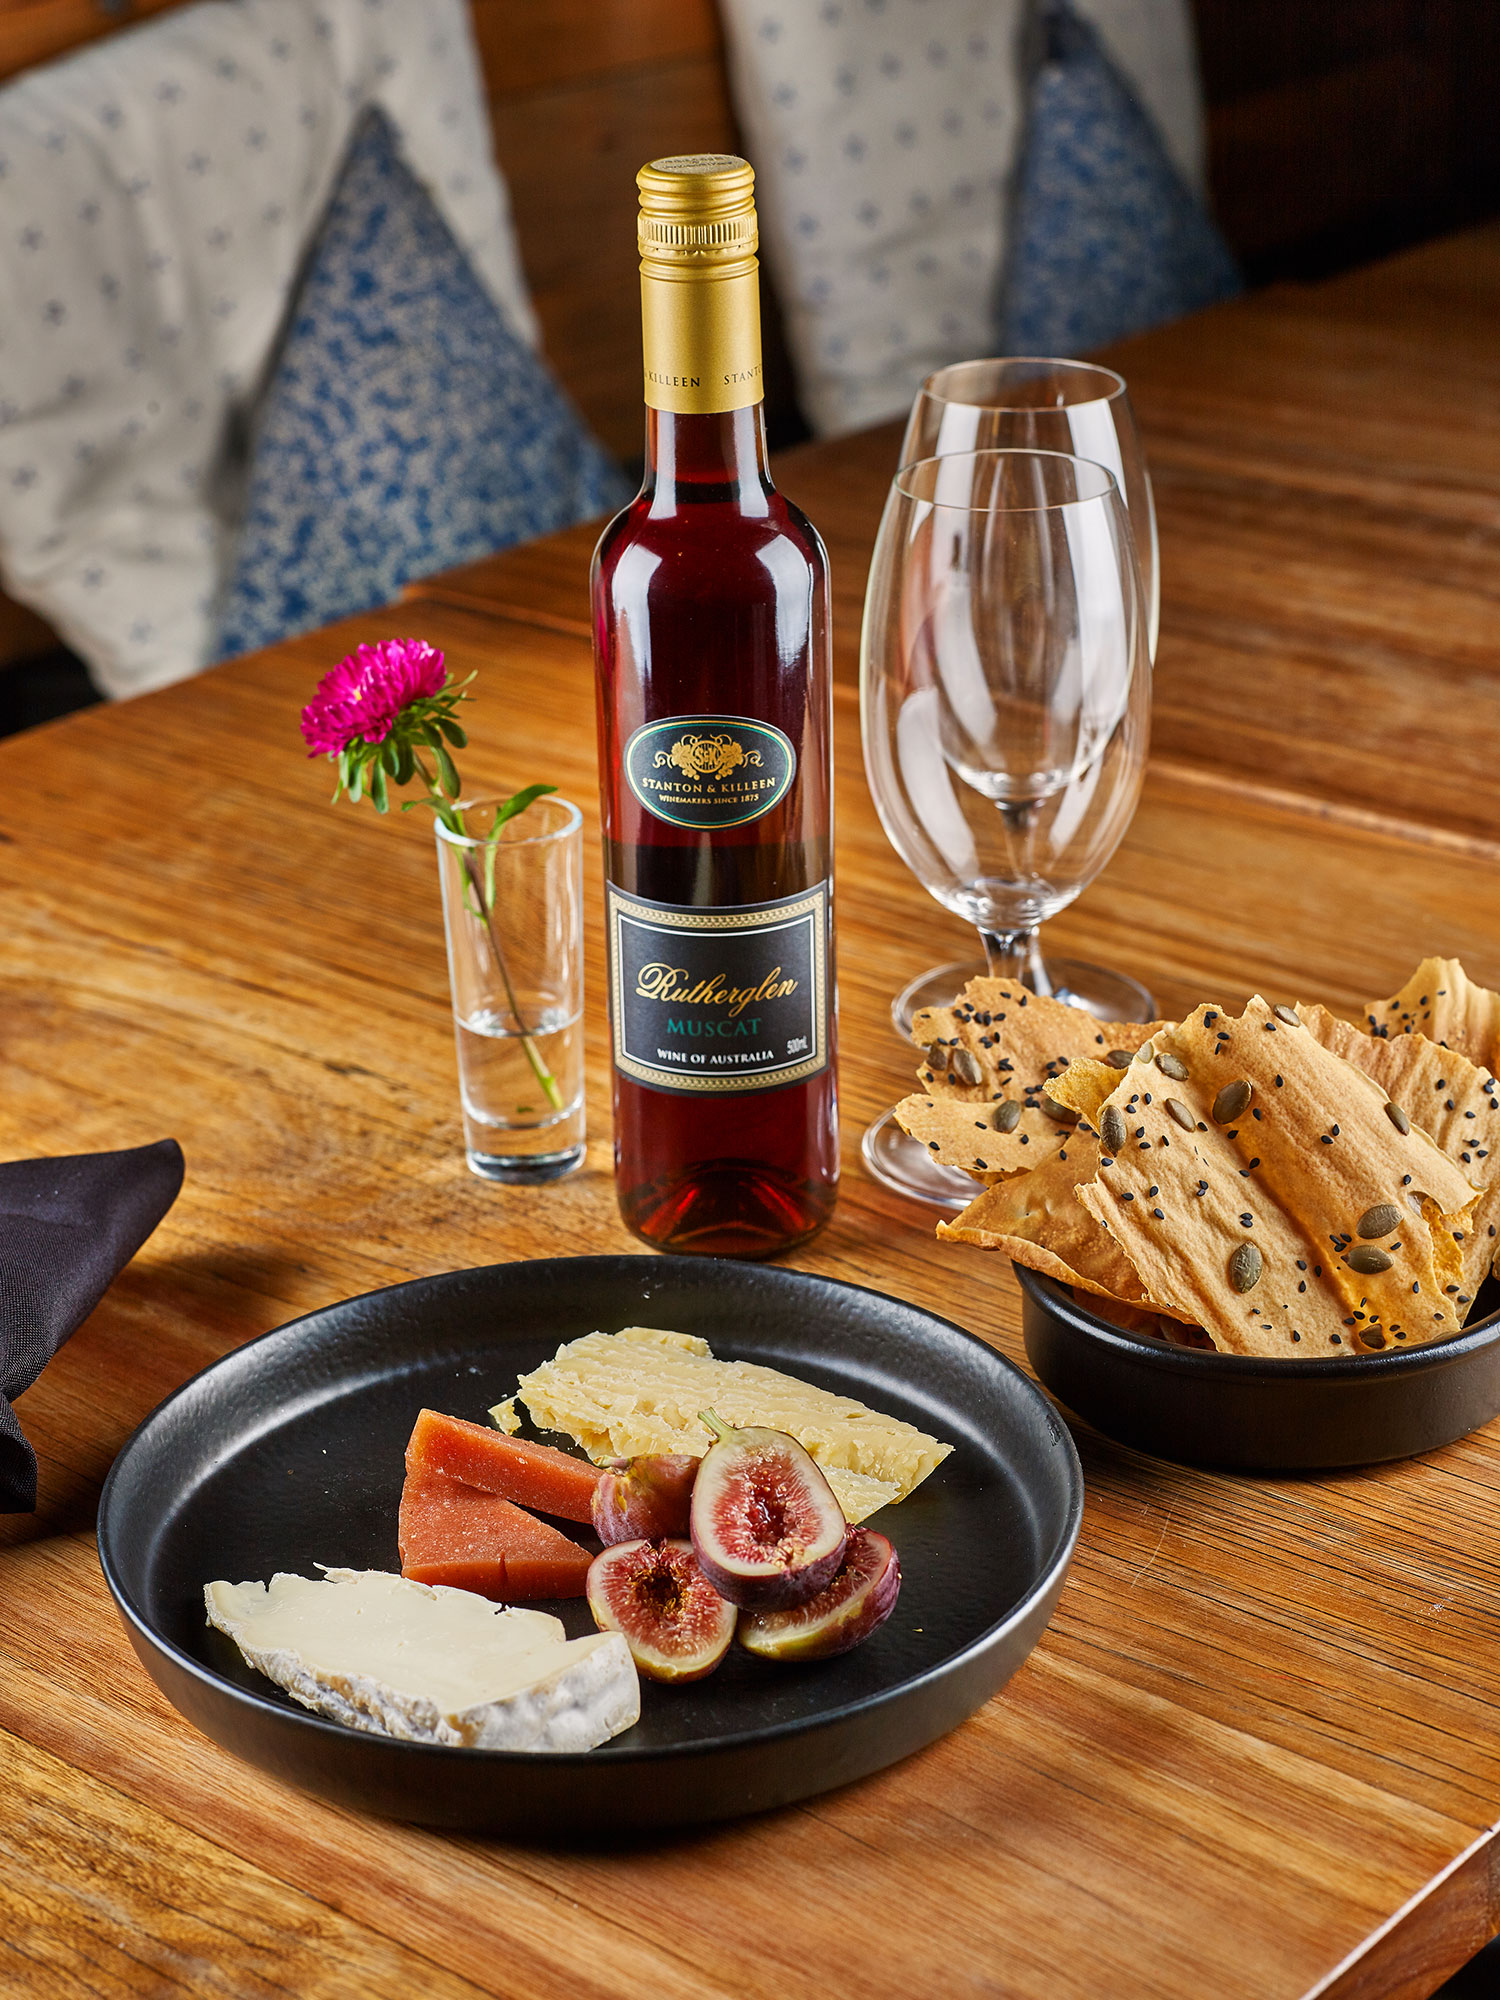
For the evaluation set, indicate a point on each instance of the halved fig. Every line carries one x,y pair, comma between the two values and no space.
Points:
844,1613
644,1497
675,1623
768,1531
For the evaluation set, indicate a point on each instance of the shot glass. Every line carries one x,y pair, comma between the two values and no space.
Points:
513,913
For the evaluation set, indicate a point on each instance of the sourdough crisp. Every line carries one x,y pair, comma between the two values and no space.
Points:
1037,1219
1020,1041
1456,1104
962,1134
1443,1003
1293,1182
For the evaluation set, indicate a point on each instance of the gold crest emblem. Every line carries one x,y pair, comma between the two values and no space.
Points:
706,756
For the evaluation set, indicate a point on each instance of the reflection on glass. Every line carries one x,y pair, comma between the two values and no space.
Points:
1005,702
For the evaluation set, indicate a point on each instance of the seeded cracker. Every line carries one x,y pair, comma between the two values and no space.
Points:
1443,1003
998,1045
1456,1104
1251,1227
1037,1219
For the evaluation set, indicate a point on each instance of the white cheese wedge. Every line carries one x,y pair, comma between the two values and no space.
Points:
640,1390
430,1664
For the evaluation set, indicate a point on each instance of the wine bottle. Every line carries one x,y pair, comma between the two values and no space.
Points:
710,610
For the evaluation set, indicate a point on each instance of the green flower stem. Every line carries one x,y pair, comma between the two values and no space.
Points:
539,1069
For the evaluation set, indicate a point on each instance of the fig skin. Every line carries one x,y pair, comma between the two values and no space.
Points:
844,1613
644,1498
656,1597
767,1528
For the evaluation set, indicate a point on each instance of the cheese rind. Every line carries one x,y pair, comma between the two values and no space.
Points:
640,1391
428,1664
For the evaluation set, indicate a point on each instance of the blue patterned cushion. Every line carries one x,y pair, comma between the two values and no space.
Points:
1107,238
406,427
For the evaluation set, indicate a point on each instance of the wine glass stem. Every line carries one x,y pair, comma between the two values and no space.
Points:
1017,955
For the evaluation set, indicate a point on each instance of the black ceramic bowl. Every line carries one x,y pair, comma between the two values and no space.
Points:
288,1452
1263,1416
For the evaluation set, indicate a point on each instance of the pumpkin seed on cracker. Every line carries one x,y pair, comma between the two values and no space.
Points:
999,1043
1292,1205
1036,1217
1452,1100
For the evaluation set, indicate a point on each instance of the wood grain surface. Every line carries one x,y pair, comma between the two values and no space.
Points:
1327,468
1256,1755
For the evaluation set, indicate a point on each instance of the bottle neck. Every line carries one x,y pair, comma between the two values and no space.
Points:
719,457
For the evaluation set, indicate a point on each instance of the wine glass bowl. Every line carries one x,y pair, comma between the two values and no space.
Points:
1031,403
1005,703
1082,409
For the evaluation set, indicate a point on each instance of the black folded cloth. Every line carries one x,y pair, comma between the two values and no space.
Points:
67,1227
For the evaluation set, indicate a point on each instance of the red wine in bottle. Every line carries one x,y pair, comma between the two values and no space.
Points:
710,605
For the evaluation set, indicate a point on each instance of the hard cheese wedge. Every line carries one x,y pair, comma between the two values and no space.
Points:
533,1475
433,1666
640,1390
453,1534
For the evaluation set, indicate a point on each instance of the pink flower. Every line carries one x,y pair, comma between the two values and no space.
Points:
363,696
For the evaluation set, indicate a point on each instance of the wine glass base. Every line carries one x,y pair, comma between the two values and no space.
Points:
906,1167
1108,996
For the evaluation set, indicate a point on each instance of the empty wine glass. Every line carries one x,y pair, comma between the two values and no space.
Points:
1005,692
1037,404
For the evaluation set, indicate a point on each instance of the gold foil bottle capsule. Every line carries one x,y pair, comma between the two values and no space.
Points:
700,284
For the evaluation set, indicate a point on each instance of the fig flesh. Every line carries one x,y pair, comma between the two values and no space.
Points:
675,1623
644,1498
767,1528
844,1613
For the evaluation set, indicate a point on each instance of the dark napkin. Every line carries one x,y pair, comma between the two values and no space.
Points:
67,1227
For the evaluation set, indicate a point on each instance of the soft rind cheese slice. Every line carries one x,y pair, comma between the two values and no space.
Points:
429,1664
640,1390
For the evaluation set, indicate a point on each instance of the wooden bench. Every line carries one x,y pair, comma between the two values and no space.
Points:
1368,117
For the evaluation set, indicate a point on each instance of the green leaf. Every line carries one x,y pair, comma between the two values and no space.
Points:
517,803
456,736
447,769
356,784
406,765
379,796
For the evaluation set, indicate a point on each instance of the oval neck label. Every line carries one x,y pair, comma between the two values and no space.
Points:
709,770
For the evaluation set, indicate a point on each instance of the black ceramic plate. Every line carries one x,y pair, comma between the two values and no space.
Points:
289,1452
1264,1416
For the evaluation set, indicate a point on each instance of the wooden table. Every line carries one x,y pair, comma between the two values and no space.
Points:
1256,1756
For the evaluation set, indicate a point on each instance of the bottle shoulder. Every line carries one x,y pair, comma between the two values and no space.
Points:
704,544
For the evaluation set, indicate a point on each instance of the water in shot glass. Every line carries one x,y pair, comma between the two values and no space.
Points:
513,912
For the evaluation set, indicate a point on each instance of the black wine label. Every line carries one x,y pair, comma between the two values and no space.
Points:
709,770
719,999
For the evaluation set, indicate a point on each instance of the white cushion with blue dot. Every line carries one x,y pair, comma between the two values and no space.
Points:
406,428
158,192
884,134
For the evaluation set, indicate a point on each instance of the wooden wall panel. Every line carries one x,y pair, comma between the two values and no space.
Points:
581,93
570,154
537,44
34,31
1342,130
